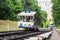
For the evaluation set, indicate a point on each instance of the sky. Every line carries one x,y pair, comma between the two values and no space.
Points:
46,5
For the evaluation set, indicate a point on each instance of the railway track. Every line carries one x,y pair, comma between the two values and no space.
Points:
19,35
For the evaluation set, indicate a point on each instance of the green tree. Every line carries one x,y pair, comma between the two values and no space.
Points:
10,8
33,5
56,11
18,6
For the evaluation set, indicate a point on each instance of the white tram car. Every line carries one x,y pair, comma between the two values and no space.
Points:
26,20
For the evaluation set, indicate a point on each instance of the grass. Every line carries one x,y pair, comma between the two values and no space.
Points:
57,26
13,25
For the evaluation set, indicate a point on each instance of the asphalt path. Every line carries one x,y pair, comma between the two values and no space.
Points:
55,35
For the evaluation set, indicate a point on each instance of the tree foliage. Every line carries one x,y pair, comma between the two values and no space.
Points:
10,8
33,5
56,11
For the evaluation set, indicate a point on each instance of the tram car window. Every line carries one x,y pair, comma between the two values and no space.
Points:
28,19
